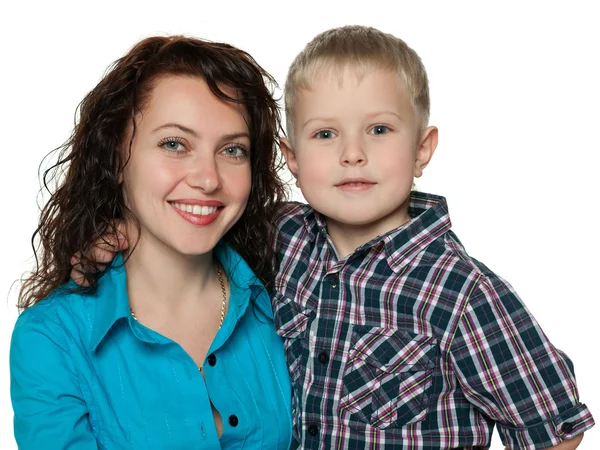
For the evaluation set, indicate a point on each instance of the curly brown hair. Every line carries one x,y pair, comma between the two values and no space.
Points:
88,197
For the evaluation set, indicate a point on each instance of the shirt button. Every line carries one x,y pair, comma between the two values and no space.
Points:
333,280
323,358
567,427
313,430
212,359
233,420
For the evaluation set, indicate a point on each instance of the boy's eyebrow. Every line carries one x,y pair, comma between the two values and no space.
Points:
226,137
321,119
381,113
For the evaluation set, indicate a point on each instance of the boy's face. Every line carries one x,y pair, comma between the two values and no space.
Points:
357,151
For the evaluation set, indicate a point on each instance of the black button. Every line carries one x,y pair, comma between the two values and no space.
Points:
332,279
212,359
323,358
313,430
233,420
567,427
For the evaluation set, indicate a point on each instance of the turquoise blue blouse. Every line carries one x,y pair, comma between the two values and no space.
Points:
86,375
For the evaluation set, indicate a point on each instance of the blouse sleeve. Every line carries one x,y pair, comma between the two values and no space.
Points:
49,410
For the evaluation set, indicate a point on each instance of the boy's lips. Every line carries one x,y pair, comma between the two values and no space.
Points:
355,184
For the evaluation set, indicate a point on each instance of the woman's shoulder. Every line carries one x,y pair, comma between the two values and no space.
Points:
69,311
46,328
61,302
53,324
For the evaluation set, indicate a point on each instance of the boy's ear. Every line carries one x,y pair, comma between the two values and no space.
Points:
289,155
425,150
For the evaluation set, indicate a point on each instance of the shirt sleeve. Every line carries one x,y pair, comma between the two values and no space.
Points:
49,411
510,371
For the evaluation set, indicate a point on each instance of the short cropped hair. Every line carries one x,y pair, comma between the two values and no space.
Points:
363,49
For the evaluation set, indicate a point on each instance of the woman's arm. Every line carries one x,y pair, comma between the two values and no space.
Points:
47,401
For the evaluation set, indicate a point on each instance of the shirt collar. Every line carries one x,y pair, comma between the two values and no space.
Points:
429,220
243,279
111,301
316,226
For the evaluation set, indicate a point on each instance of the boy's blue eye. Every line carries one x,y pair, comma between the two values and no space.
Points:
325,134
379,129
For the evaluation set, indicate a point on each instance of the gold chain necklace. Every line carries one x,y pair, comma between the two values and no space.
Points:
222,283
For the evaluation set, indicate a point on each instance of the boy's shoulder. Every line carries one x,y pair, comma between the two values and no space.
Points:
482,284
291,216
459,258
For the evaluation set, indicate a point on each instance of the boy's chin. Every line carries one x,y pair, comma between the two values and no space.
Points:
382,220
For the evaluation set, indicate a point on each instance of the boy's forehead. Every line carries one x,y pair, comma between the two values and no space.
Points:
330,90
348,75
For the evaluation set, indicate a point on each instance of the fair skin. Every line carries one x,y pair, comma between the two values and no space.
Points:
357,151
355,156
187,182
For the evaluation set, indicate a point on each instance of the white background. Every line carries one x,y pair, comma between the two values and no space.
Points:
514,91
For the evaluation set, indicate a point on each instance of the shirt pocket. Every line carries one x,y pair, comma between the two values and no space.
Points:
292,326
387,377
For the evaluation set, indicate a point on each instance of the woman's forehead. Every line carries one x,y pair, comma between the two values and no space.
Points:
190,101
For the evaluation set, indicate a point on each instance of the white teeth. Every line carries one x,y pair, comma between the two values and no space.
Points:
195,209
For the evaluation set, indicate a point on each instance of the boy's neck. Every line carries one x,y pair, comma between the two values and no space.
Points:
348,237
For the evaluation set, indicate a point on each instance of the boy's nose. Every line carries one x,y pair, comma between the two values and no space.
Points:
353,154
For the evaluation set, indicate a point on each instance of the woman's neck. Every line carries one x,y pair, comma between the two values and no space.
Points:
165,278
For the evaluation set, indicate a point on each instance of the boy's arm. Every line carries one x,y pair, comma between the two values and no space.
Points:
571,444
510,371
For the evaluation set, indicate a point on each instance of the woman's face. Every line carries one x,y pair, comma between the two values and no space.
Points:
188,178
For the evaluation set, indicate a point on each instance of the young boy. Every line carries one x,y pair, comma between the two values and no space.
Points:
395,337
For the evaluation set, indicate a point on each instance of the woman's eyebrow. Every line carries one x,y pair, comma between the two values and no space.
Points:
233,136
225,137
176,125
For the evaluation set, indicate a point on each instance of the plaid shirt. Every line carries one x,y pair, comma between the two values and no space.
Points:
409,343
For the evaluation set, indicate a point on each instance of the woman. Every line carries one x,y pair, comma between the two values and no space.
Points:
174,345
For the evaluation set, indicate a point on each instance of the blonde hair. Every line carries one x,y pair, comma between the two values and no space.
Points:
364,49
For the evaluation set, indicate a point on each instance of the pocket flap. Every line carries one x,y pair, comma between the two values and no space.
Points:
290,321
393,350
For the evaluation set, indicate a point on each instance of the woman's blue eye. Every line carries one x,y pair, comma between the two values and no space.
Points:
173,146
235,152
325,134
379,129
